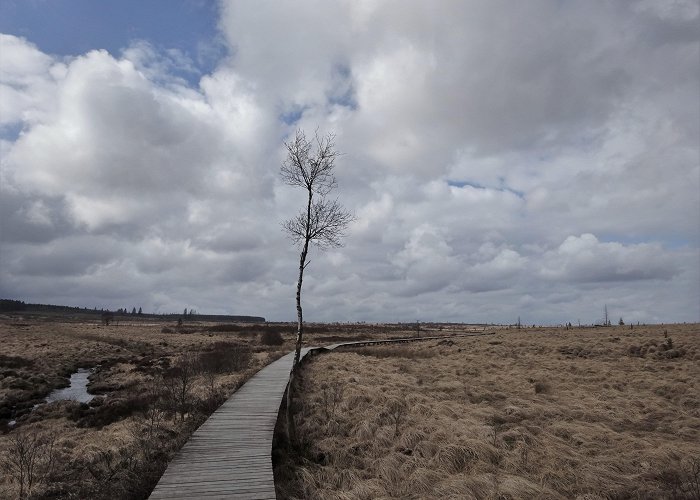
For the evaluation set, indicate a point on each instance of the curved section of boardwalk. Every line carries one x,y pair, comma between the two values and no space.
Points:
230,455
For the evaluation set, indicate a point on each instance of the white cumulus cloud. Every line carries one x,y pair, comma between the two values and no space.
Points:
503,159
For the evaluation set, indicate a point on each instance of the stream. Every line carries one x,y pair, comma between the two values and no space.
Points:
77,390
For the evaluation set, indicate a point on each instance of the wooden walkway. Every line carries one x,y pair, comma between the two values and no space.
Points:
230,455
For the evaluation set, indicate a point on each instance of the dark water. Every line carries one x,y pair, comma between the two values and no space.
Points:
77,390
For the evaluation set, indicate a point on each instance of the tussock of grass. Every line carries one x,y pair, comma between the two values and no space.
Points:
454,458
534,414
366,490
421,481
364,430
410,439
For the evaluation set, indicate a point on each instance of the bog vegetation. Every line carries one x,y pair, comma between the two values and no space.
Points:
526,413
155,383
581,413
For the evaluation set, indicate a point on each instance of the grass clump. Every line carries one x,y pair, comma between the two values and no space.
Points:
271,338
542,387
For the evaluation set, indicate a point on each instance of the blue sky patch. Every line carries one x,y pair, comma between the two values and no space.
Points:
74,27
476,185
10,131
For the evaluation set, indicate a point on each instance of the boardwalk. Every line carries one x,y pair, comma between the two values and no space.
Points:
229,456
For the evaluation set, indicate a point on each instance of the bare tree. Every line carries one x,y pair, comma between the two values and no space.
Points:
179,381
29,459
395,413
107,317
323,221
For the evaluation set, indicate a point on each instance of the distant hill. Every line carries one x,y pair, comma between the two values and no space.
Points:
8,305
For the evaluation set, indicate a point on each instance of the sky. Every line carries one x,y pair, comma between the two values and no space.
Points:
502,159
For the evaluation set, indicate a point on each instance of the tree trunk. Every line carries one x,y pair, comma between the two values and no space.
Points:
291,426
300,315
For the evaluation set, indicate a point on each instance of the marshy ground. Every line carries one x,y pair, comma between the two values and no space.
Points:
154,384
533,413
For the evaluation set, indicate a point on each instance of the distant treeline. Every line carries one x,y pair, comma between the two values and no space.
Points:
7,305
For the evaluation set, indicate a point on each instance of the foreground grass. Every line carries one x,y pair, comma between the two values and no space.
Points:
582,413
156,383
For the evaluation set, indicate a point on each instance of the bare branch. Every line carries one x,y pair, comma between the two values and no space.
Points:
296,227
328,223
312,170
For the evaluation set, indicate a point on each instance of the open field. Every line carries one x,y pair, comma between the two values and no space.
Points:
155,383
534,413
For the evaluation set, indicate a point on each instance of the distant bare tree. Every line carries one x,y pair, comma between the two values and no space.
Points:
107,317
309,165
178,383
29,459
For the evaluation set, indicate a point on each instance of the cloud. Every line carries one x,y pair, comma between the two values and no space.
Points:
26,77
121,150
585,259
65,257
502,160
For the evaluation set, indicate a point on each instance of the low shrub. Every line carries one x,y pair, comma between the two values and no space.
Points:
186,330
178,382
225,357
271,337
542,387
19,383
111,410
241,330
210,402
29,460
395,414
223,328
14,361
663,350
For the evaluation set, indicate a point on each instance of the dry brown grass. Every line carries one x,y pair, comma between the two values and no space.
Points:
536,413
119,444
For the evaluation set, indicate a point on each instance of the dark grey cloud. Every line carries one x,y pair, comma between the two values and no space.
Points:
503,160
76,256
33,219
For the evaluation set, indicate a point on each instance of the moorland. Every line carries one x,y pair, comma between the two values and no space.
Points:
589,413
154,381
547,413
